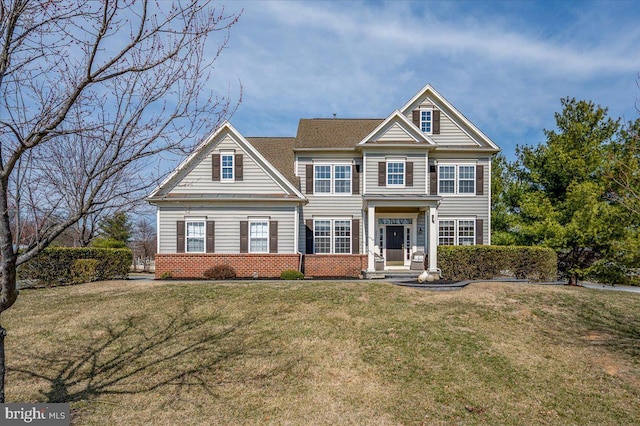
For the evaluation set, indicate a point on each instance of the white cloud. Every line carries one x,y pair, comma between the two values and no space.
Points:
504,68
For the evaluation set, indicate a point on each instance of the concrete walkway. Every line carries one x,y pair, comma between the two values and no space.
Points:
627,288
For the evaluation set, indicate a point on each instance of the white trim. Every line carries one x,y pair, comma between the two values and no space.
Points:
456,235
332,233
246,148
426,109
398,116
364,174
489,197
332,164
158,230
427,89
232,154
254,221
186,234
456,178
397,160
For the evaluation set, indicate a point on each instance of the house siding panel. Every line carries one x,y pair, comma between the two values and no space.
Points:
227,220
395,134
254,178
419,170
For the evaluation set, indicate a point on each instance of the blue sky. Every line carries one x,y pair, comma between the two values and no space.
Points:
504,65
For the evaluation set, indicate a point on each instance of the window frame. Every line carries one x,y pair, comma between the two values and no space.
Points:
187,237
426,119
457,179
334,245
458,236
231,168
389,162
250,237
332,179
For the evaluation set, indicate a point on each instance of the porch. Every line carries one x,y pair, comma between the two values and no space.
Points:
399,230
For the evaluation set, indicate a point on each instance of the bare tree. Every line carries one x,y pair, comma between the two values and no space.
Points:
143,243
91,92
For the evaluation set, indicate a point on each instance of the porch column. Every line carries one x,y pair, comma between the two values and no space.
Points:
371,238
433,239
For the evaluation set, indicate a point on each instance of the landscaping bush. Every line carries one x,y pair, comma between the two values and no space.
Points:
58,265
486,262
291,274
220,272
84,270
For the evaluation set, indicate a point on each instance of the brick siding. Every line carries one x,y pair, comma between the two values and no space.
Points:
335,265
192,265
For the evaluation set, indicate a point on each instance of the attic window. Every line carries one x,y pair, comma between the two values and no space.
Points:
426,120
227,166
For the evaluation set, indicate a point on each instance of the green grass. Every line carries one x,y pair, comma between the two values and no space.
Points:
326,353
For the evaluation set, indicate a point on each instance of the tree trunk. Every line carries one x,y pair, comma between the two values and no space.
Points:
3,333
573,279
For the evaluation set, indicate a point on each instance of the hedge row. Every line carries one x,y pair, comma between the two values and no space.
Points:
69,265
486,262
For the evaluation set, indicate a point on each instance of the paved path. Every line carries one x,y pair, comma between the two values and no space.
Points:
627,288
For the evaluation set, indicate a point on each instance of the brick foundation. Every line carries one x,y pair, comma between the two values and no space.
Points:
192,265
335,265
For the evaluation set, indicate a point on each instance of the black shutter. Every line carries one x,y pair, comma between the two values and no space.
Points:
436,122
273,236
382,173
355,236
409,180
479,180
239,166
355,179
180,234
215,168
211,236
479,232
416,118
309,179
433,180
309,236
244,236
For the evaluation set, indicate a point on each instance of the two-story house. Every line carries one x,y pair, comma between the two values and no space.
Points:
343,198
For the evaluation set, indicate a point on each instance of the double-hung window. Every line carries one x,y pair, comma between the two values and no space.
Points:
259,236
332,179
457,179
195,235
226,160
460,232
332,236
395,173
426,120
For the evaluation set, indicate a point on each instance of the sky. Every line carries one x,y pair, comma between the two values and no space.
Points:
505,65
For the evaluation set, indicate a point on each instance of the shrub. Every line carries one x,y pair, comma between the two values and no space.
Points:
166,275
84,270
291,274
220,272
486,262
56,265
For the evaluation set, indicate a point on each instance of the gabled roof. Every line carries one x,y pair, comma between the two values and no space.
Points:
451,111
333,132
278,152
407,126
205,147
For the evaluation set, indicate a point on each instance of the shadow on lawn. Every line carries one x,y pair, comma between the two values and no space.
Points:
141,354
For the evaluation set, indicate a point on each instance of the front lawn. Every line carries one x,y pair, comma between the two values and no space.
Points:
137,353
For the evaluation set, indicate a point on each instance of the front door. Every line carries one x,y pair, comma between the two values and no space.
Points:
395,238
